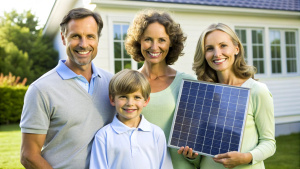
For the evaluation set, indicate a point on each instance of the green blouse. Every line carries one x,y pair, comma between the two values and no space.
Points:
160,111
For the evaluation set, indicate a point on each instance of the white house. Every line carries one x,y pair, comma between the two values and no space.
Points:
269,30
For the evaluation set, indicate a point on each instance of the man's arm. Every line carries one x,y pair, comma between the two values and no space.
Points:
31,151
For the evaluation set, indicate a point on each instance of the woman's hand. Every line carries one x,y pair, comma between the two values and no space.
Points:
233,159
187,152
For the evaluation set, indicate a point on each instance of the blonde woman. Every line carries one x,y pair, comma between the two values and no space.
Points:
219,58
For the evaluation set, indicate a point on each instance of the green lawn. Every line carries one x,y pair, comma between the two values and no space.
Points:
287,155
10,141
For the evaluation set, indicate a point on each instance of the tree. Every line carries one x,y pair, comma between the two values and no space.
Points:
12,59
23,50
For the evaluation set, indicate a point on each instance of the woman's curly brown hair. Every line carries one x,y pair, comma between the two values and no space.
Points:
141,22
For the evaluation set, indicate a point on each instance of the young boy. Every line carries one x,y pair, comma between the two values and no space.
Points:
129,141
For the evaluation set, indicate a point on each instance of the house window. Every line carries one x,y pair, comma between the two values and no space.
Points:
121,58
283,56
291,55
258,50
283,51
242,35
253,43
275,42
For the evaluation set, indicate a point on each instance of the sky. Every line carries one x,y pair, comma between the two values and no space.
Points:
40,8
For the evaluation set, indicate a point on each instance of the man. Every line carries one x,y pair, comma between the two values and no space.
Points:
65,107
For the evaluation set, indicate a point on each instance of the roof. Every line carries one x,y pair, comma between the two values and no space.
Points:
285,5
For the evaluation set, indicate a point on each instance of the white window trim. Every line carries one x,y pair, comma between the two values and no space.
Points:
249,44
267,49
284,72
111,20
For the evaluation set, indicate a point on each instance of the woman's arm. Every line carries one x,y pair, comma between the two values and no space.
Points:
265,123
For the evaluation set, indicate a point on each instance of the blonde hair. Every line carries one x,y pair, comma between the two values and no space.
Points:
205,72
140,24
129,81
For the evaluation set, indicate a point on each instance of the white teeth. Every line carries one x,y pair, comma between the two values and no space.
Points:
83,52
154,54
218,61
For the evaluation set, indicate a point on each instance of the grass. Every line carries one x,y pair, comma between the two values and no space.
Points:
10,142
287,155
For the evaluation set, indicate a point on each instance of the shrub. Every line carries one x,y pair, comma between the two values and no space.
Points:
11,103
11,80
12,94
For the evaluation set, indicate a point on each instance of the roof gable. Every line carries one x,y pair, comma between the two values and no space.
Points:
286,5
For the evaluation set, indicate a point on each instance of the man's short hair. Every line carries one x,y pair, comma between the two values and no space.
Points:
79,13
129,81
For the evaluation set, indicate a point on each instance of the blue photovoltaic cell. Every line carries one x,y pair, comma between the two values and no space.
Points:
209,117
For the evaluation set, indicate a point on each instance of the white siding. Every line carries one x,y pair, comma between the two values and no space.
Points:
286,95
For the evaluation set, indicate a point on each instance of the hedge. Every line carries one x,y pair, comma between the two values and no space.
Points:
11,103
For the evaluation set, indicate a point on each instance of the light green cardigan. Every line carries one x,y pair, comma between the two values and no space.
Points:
160,111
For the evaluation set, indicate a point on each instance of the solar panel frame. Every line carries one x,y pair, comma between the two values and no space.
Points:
193,127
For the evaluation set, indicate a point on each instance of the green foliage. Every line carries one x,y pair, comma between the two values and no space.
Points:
13,60
11,103
23,50
43,56
11,80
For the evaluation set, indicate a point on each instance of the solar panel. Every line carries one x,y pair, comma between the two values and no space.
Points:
209,117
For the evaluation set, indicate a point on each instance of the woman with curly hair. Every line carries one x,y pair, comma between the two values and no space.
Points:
156,39
219,58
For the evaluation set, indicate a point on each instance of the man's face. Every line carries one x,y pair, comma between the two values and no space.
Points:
81,41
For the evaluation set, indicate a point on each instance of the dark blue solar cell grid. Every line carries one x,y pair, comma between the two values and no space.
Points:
209,117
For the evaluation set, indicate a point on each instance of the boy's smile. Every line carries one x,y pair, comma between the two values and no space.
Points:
129,107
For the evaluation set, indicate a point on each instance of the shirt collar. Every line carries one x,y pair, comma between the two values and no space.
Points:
95,71
120,128
66,73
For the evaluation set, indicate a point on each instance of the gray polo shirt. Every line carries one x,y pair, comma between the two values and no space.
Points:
68,115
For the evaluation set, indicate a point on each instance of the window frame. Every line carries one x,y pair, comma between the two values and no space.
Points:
283,52
115,19
267,49
249,45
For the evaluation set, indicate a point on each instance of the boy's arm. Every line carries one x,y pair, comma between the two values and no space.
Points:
98,154
31,151
165,158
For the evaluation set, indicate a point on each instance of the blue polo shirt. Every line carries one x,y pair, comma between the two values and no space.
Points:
66,73
119,146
